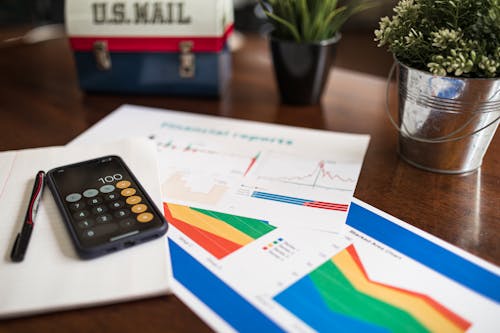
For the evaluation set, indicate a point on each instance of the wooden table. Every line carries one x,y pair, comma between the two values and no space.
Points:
41,105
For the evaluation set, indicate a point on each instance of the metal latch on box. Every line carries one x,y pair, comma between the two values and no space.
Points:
187,60
186,66
101,54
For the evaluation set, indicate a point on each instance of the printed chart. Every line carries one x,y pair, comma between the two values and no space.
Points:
202,190
311,183
216,153
307,172
358,283
340,295
219,174
218,233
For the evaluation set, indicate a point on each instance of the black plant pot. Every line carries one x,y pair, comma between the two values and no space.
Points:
302,69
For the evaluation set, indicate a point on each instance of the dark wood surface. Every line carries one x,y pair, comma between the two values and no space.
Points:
41,104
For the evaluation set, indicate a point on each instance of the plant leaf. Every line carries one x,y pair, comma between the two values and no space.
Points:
293,30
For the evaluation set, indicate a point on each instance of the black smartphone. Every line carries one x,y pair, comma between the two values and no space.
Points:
104,206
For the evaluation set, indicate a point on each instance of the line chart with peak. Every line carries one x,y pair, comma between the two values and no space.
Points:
311,173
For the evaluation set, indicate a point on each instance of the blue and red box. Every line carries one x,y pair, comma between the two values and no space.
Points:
151,47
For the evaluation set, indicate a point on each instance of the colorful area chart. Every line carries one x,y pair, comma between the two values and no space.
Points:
340,296
218,233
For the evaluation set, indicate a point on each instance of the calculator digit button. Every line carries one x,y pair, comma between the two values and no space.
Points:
111,196
133,200
95,201
128,192
127,223
140,208
123,184
121,213
81,214
117,204
92,192
76,206
73,197
107,188
85,223
145,217
99,209
104,218
89,233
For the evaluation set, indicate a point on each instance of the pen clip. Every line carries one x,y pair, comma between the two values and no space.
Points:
36,195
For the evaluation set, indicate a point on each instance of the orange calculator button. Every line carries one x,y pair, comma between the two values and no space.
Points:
123,184
128,192
140,208
145,217
133,200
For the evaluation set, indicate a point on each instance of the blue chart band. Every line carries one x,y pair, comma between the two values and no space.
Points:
216,294
426,252
280,198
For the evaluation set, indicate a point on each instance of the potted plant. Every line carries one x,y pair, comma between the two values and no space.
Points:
447,53
303,43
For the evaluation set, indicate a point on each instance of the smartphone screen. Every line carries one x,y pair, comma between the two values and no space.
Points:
104,206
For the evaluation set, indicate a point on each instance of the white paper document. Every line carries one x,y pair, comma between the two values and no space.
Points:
288,175
261,239
380,275
52,277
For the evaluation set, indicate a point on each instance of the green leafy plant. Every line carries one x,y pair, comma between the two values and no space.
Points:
445,37
310,20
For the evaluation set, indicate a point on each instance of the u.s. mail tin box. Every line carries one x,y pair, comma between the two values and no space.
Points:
151,47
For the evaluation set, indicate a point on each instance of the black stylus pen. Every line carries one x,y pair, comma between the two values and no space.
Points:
23,238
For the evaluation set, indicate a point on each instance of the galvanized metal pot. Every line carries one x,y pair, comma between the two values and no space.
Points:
445,123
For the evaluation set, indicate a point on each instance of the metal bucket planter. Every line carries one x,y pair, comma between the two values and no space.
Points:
301,69
445,124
